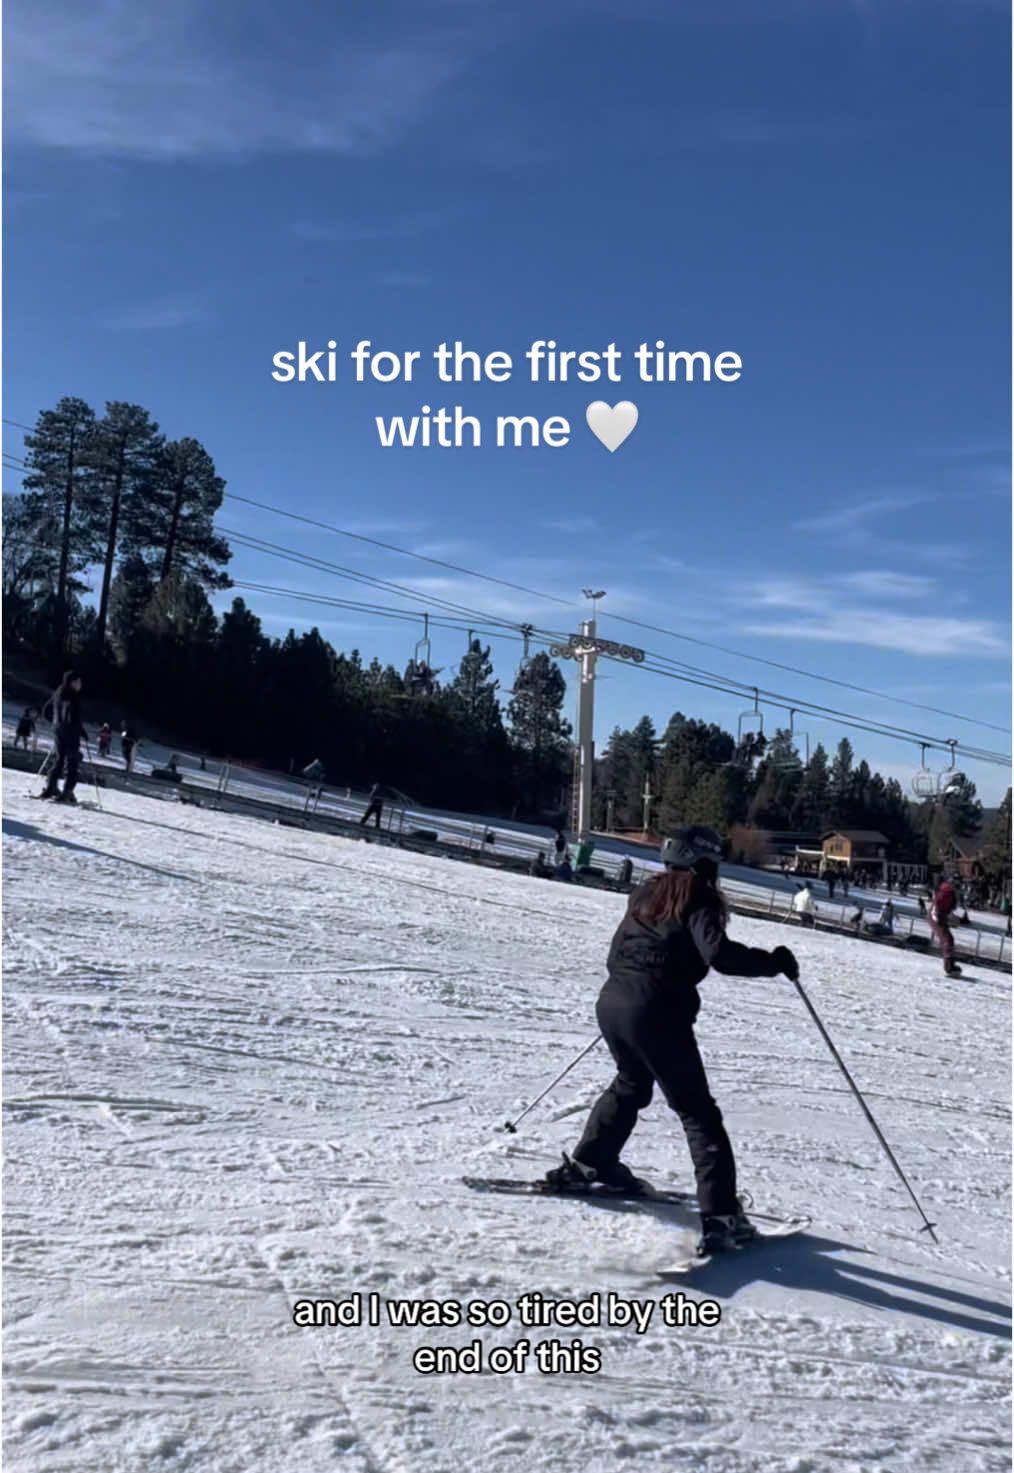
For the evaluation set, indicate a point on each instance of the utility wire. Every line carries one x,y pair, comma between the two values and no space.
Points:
743,687
620,618
662,665
701,679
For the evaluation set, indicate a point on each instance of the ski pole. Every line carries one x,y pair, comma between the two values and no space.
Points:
512,1126
928,1226
95,776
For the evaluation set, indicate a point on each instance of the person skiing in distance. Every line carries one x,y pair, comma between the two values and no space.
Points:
672,933
25,728
105,739
127,744
944,903
804,906
560,845
68,730
886,917
374,806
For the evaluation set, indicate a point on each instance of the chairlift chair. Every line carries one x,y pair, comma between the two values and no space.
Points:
795,763
931,782
527,630
420,674
750,738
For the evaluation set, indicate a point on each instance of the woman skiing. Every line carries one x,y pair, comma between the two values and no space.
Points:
674,930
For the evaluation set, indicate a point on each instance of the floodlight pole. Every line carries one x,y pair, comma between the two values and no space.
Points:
586,717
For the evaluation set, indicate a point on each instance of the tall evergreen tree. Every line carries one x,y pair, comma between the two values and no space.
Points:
691,751
131,592
812,808
996,847
59,471
840,785
473,690
124,450
539,729
778,780
178,526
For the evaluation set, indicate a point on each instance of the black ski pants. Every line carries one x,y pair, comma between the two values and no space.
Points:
68,760
373,810
652,1041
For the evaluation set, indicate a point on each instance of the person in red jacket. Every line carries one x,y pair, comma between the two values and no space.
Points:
944,904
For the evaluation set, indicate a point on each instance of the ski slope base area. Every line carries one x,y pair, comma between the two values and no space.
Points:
247,1067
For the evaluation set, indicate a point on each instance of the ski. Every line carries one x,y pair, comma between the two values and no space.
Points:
786,1228
594,1190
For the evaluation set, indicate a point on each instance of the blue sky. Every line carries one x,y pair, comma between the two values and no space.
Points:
820,187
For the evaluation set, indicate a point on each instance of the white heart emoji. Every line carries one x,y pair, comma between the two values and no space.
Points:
611,426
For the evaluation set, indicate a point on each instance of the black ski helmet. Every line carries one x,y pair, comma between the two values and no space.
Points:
684,848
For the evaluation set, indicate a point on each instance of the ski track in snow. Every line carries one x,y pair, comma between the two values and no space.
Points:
246,1066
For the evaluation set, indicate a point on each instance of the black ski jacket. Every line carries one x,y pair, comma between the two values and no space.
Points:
674,956
66,718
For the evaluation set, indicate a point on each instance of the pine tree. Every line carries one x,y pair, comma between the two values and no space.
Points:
691,751
131,592
473,691
840,785
59,472
538,729
123,452
812,808
996,848
956,814
778,781
185,494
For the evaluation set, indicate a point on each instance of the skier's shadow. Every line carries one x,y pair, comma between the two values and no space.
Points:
803,1262
18,830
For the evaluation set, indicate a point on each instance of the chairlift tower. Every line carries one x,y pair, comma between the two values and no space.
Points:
584,648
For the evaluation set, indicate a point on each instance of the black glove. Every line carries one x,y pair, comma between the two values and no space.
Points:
786,962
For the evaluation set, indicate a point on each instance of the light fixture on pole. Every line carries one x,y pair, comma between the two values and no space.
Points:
586,717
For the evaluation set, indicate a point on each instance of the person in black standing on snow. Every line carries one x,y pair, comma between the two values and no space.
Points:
25,728
374,806
674,930
68,730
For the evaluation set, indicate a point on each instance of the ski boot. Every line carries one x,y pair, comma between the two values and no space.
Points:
66,798
577,1176
953,970
723,1233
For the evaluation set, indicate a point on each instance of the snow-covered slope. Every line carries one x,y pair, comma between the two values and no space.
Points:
247,1066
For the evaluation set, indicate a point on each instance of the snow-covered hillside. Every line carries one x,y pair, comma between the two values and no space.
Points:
247,1066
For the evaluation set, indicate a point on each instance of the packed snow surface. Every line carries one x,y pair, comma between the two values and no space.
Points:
248,1065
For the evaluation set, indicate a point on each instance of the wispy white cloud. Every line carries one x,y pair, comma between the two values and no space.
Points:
163,313
881,583
939,637
180,79
855,608
856,516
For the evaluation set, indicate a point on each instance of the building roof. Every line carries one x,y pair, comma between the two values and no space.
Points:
966,847
863,836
